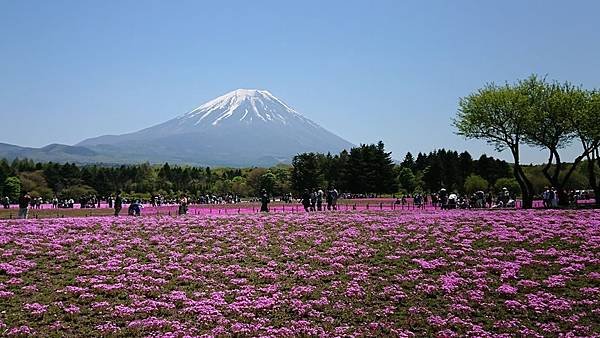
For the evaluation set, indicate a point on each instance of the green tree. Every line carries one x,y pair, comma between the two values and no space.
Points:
554,109
407,180
77,191
432,176
587,130
253,180
509,183
306,172
267,182
408,162
475,183
35,183
499,115
385,173
12,188
239,187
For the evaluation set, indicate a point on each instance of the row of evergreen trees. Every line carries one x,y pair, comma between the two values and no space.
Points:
369,169
364,169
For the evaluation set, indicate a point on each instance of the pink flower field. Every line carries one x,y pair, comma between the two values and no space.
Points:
385,273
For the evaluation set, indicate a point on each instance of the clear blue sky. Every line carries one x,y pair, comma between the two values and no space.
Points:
366,70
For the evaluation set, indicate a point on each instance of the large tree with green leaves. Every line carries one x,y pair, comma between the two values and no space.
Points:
306,172
500,115
587,130
557,110
12,188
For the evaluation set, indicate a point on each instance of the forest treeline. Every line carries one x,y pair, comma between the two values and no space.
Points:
366,169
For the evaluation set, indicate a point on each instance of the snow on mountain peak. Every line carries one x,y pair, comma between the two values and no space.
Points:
245,106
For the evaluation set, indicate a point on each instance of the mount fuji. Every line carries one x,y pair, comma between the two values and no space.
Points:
245,127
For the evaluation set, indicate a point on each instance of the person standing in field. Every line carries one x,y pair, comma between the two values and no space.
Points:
554,195
118,204
320,200
329,198
306,200
24,201
313,201
334,197
264,201
443,198
6,202
183,205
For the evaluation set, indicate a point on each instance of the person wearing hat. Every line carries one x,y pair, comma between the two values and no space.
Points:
24,201
118,203
264,201
443,196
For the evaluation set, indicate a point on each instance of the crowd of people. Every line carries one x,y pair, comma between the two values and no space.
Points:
453,200
311,200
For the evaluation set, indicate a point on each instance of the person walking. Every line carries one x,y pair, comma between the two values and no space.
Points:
118,204
24,201
334,197
546,197
264,201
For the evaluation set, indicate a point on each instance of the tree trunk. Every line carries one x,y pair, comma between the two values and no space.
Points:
524,183
592,177
563,198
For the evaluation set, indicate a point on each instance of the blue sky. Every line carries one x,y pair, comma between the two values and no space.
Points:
366,70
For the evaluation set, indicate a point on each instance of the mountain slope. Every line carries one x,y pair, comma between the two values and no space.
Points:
241,128
52,152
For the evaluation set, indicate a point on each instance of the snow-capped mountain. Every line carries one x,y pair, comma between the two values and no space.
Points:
246,106
243,127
